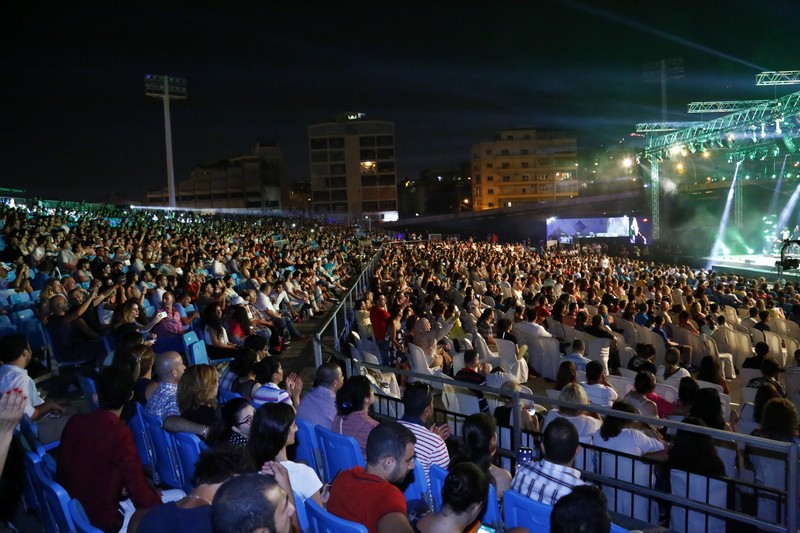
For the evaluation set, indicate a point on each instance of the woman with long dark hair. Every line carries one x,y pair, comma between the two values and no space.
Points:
479,446
695,453
353,401
216,338
464,495
273,429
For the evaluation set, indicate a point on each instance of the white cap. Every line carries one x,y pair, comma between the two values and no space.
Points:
237,300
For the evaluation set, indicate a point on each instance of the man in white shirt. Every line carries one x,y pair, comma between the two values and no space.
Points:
16,355
530,327
577,356
597,388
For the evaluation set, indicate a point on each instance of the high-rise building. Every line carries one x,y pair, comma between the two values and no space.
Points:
353,167
257,181
523,166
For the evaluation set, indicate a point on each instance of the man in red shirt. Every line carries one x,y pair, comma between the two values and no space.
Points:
369,496
378,315
97,457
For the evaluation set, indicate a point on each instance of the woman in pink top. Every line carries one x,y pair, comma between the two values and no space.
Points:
353,401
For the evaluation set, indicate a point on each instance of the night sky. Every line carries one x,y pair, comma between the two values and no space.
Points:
77,125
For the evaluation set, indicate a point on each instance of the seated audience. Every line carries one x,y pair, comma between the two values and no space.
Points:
475,372
430,447
584,510
585,424
318,406
269,372
197,394
598,390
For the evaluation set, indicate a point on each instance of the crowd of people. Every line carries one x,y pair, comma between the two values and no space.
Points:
250,279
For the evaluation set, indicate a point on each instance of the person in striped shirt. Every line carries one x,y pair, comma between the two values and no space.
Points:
430,448
548,480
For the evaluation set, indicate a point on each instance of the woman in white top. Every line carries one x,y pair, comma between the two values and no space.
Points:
586,425
671,372
272,430
618,434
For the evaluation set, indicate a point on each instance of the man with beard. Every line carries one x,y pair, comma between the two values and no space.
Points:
370,496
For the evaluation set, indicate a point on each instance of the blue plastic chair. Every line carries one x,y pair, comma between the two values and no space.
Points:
30,431
521,511
79,518
33,498
226,396
307,450
22,315
7,329
302,515
189,338
339,452
89,390
56,518
166,458
141,439
617,529
437,475
62,363
35,296
21,300
321,521
5,321
197,354
418,488
33,331
189,447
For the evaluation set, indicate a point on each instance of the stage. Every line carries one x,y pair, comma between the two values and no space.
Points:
751,266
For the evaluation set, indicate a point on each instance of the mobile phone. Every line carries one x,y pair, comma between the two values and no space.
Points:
524,455
486,529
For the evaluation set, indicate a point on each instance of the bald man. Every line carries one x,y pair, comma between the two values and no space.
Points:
169,368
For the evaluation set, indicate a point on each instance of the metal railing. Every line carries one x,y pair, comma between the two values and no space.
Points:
343,312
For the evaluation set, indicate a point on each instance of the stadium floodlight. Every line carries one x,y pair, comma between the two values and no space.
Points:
167,88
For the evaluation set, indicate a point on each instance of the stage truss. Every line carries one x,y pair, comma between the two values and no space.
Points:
754,127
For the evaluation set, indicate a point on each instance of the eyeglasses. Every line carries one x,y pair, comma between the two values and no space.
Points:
247,420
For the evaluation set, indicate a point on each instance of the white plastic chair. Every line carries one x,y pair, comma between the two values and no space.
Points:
773,340
509,361
668,392
650,337
598,349
544,355
725,359
416,359
621,384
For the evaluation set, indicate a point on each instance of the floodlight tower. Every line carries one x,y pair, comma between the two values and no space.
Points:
167,88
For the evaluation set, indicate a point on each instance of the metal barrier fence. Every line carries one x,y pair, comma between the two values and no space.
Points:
343,313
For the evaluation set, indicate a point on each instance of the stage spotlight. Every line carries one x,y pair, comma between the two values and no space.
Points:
778,129
763,132
692,148
764,155
789,143
753,135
